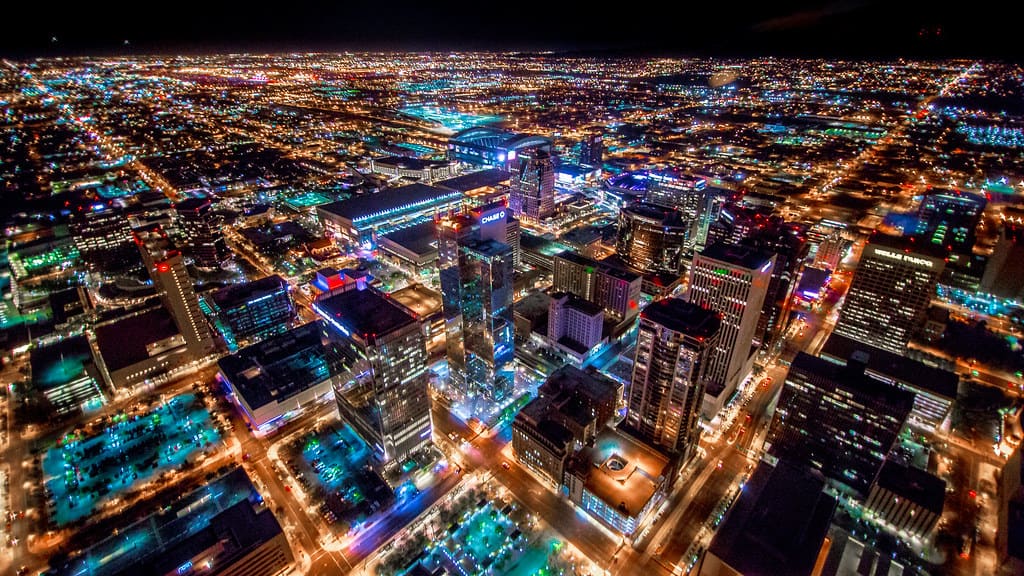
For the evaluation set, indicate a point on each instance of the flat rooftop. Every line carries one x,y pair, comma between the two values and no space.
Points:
125,342
661,215
624,472
420,239
418,298
365,312
934,380
778,523
684,317
409,163
239,294
742,256
918,486
605,267
409,197
474,180
60,363
278,367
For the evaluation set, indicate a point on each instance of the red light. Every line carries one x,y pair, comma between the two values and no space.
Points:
632,303
972,494
163,267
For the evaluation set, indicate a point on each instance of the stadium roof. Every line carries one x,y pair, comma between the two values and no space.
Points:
389,201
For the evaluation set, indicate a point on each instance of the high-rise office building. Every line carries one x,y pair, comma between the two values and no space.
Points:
205,241
377,353
837,419
615,290
592,150
532,194
733,281
167,269
653,238
574,323
680,191
477,288
674,345
104,240
788,242
496,222
711,204
890,292
251,310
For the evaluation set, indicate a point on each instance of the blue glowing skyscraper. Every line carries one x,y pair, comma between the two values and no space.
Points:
477,288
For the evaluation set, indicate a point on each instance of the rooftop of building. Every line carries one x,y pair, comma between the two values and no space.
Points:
124,342
366,312
660,215
853,378
577,303
934,380
778,523
538,412
60,363
240,294
622,471
498,138
418,298
474,180
279,367
920,487
604,267
388,201
568,380
681,316
487,247
192,204
533,306
907,244
742,256
420,239
409,163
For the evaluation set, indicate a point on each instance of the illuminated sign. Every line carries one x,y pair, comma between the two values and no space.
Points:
904,257
499,215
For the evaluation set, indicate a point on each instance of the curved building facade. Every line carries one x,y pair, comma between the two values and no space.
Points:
652,238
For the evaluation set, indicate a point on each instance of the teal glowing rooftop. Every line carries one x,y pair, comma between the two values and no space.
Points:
449,119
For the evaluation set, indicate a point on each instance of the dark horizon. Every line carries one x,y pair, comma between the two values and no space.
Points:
856,29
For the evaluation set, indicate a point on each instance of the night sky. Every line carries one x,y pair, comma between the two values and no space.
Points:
858,28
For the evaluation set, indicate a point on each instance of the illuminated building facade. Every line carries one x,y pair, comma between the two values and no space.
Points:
949,218
204,240
890,293
831,251
358,221
674,345
496,222
378,362
532,186
104,240
477,289
653,238
592,150
733,281
906,499
615,290
486,146
167,269
278,379
571,408
575,326
838,420
252,310
618,480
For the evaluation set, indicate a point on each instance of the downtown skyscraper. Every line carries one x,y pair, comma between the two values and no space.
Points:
532,197
733,281
477,287
675,344
894,283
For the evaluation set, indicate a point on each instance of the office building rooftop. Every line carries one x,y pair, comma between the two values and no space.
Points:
366,312
777,525
622,471
474,180
743,256
238,294
681,316
935,380
278,367
131,340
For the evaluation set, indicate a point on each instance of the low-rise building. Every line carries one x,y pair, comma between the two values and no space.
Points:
250,310
906,499
619,480
406,167
276,380
141,347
